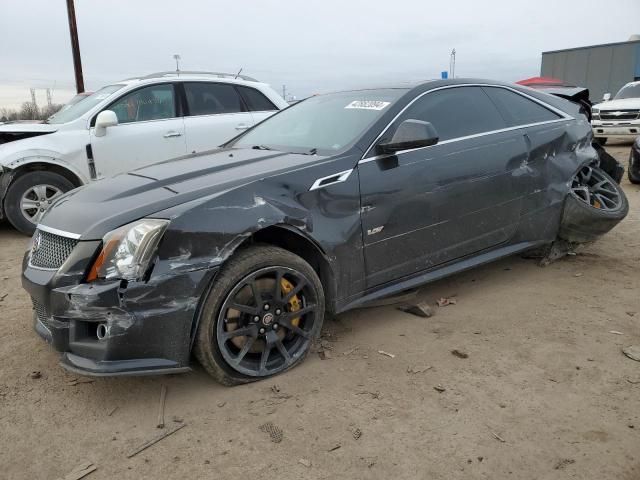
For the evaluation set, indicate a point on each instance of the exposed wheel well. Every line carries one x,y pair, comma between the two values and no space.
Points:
49,167
296,242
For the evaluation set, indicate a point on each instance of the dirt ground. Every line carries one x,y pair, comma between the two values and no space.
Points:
545,392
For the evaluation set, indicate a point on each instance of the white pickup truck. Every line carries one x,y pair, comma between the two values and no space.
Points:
619,117
121,127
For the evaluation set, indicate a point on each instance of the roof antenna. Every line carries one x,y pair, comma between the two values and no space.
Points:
237,74
176,57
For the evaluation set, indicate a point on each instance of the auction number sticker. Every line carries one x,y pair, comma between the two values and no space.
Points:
368,104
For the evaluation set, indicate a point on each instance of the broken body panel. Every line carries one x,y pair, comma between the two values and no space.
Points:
501,195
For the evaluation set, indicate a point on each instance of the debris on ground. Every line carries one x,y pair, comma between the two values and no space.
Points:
578,275
112,411
631,314
419,369
498,437
439,388
324,354
80,471
633,352
616,332
275,388
163,399
77,381
350,351
459,353
177,419
355,432
3,296
334,448
563,463
374,395
155,440
35,374
221,404
305,461
420,309
275,432
386,354
444,301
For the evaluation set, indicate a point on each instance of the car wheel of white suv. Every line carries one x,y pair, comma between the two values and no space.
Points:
30,196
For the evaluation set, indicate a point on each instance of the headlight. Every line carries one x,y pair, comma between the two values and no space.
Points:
595,113
127,251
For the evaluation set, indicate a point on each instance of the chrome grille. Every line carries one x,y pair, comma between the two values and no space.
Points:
619,114
49,250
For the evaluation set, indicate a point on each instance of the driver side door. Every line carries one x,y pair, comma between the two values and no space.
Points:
428,206
150,129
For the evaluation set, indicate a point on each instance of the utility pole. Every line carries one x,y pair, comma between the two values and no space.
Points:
284,92
34,113
75,46
49,102
452,63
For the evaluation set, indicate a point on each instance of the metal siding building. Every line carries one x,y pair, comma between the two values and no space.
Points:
600,68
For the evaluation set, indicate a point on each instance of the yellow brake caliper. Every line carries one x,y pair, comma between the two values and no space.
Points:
294,303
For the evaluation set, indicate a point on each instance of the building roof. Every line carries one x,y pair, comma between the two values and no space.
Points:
594,46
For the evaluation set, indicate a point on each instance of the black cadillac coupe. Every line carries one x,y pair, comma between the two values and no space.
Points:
239,253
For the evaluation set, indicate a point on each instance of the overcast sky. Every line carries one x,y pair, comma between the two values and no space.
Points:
309,45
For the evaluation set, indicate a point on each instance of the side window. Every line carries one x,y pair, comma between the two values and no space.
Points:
255,100
456,112
212,98
149,103
519,110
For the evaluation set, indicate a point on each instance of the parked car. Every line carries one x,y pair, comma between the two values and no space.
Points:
619,117
238,254
121,127
633,171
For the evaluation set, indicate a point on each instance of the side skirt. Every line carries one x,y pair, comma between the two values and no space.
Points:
433,275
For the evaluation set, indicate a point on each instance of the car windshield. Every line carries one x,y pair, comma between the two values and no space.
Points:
83,106
322,124
629,91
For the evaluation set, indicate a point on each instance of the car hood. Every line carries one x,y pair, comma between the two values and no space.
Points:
621,104
99,207
28,128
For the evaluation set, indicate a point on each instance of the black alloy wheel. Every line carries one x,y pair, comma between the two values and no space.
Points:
265,320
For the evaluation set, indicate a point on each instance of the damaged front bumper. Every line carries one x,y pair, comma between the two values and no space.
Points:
116,328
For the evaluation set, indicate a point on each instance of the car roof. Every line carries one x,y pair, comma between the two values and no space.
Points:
191,75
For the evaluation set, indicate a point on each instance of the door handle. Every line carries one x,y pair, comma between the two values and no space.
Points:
241,126
172,134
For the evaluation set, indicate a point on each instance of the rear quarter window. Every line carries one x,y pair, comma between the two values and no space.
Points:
517,109
255,100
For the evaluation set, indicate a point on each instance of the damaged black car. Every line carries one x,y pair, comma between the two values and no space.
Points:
237,255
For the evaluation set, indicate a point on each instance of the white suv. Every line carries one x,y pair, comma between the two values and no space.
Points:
122,127
619,117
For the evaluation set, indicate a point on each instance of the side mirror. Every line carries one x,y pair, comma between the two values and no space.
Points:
606,97
106,118
410,134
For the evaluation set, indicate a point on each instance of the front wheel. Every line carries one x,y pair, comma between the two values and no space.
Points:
601,140
261,316
30,196
633,172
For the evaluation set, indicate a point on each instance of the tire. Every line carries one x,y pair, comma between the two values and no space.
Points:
582,222
258,267
633,171
601,140
52,185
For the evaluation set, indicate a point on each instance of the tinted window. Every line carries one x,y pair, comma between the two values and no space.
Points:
631,90
519,110
149,103
212,98
456,112
255,100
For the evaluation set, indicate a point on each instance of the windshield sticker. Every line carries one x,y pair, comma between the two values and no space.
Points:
368,104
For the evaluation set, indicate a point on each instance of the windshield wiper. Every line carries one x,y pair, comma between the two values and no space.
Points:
313,151
261,147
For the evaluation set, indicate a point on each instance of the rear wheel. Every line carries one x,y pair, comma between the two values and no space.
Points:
594,206
30,196
265,309
633,171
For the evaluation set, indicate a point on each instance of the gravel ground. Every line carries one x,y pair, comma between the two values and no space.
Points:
544,393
